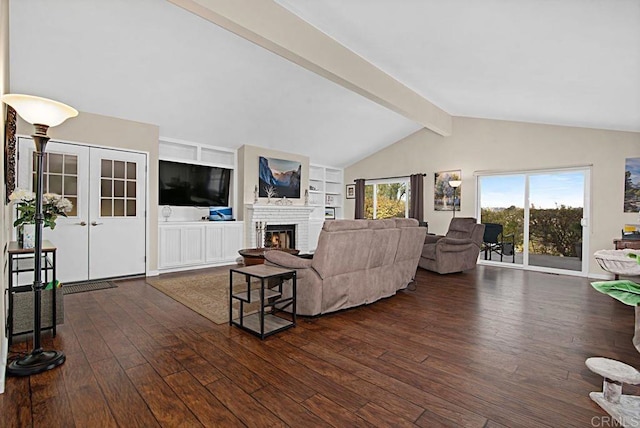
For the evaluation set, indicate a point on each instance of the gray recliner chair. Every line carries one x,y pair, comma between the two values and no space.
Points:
455,252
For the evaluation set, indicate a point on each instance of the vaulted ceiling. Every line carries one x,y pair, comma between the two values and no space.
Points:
572,62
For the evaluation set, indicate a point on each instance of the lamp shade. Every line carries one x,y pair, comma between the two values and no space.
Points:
40,111
455,183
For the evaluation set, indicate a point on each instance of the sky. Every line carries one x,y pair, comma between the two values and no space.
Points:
546,190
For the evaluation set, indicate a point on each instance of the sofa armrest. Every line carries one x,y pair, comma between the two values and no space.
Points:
432,239
287,260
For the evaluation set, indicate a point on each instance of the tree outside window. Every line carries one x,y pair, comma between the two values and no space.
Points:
386,200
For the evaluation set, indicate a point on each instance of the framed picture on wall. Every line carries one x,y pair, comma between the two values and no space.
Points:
10,151
329,213
351,191
278,178
632,185
444,196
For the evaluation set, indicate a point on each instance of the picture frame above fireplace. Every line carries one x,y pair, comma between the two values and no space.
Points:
279,178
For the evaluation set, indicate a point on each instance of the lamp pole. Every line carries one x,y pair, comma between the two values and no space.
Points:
41,113
454,184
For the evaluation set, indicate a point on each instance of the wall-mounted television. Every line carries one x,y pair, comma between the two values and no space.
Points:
183,184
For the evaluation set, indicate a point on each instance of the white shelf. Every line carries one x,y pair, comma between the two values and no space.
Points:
185,151
328,185
333,175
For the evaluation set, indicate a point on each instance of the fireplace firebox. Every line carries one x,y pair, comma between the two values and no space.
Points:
280,236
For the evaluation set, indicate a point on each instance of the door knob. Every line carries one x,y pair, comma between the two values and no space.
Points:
82,223
94,223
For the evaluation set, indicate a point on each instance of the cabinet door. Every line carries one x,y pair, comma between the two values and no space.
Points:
193,245
233,241
170,247
214,243
223,242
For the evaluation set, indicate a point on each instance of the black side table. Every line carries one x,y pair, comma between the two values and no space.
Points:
267,320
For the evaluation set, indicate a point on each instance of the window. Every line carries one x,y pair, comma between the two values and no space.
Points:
117,188
386,199
60,176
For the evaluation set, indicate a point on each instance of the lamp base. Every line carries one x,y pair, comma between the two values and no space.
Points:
35,362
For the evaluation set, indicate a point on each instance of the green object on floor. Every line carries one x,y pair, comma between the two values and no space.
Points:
50,285
628,292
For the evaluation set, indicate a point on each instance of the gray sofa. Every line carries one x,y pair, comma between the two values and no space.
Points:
455,252
356,262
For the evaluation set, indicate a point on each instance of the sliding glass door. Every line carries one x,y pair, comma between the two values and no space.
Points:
556,210
543,217
502,202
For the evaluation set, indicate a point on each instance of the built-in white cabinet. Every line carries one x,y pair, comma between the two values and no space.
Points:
326,186
191,245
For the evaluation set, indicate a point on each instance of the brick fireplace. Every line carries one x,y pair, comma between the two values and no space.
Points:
294,216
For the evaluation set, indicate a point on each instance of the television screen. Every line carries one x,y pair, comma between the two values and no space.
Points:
185,184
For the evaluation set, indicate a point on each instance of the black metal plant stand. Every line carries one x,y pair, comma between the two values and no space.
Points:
38,360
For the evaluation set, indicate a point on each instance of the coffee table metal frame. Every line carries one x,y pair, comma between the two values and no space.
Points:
266,321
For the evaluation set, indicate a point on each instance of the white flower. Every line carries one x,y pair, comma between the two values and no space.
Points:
64,205
53,205
22,195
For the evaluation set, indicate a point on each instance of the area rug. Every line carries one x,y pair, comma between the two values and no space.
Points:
87,286
206,294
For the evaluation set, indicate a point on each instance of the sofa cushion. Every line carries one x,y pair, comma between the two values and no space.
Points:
387,223
338,225
406,222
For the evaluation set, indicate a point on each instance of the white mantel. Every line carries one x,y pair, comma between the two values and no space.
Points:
272,214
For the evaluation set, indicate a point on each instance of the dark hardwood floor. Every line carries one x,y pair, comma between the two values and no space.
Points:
487,348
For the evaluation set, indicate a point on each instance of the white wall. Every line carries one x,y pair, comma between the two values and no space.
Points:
5,224
491,145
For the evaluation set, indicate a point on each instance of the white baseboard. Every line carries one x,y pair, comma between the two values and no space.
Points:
195,267
153,273
604,276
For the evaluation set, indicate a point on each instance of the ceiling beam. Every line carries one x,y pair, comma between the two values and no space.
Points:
267,24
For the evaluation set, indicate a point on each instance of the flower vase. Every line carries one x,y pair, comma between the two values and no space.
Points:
29,236
20,237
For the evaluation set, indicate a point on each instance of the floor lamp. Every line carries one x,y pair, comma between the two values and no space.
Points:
42,114
454,184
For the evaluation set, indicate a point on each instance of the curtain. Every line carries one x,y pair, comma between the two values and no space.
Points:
359,198
416,203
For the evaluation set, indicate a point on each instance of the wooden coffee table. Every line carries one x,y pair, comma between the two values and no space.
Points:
255,256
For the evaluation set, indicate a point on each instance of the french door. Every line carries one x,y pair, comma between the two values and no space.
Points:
104,234
544,212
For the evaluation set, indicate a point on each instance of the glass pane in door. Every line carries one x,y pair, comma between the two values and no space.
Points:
556,203
502,212
113,197
60,176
